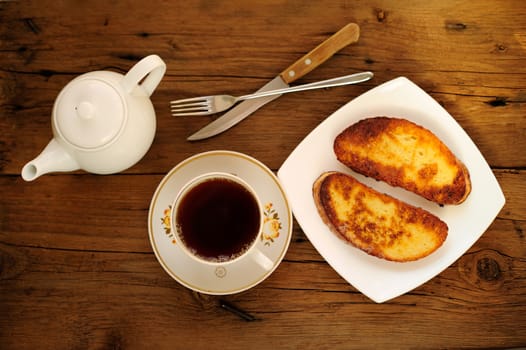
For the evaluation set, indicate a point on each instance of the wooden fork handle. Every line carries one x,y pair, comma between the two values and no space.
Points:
345,36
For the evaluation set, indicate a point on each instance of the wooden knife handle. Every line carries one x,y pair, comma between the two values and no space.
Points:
345,36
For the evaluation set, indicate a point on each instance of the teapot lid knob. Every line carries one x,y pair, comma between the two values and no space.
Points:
89,113
85,110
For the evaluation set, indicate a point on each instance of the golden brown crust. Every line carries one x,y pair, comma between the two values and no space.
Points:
404,154
376,223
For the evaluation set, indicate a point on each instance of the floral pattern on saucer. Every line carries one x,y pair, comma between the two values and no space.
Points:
271,225
166,223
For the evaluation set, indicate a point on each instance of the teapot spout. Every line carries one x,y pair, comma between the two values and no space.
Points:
53,158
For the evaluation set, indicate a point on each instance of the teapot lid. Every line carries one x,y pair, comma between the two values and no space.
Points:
89,112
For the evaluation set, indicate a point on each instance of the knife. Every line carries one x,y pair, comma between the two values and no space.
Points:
345,36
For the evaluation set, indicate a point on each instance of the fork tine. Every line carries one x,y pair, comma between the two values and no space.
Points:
204,104
190,109
192,99
180,114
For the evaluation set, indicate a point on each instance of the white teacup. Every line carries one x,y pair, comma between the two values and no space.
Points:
217,219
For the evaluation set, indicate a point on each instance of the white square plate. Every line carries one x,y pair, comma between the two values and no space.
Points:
379,279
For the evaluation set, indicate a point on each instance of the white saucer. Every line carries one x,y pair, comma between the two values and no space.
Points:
237,276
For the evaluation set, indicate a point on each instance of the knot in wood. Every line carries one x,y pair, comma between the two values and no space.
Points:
458,26
488,269
497,102
381,15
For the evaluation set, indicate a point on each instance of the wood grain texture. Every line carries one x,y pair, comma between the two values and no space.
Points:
76,267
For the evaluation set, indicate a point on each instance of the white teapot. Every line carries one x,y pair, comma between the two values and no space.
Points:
103,122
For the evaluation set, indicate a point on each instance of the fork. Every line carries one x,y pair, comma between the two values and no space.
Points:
207,105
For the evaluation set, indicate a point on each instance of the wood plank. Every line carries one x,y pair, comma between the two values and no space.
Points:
497,131
116,218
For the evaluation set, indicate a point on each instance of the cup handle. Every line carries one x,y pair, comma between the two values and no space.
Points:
262,260
150,70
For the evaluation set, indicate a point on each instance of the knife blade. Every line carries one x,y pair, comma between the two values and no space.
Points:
345,36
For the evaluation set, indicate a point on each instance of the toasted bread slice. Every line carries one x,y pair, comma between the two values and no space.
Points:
404,154
376,223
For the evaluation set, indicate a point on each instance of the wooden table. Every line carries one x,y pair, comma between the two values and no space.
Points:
76,267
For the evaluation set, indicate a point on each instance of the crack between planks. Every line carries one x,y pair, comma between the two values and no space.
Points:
76,249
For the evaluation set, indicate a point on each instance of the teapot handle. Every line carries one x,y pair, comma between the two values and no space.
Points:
150,70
